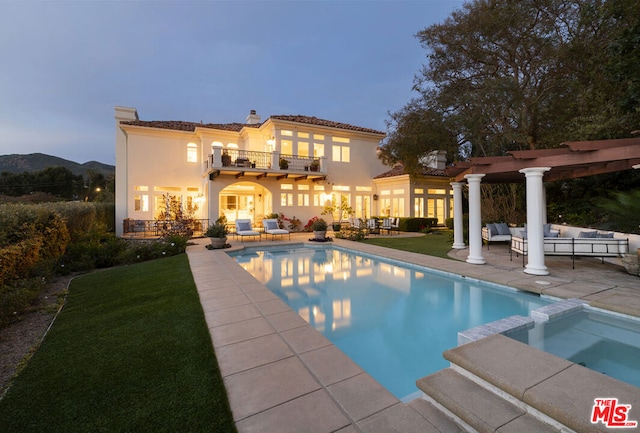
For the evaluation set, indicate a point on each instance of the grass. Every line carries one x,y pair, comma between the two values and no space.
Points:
436,244
129,352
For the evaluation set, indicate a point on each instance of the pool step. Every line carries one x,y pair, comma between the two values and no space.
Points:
475,407
497,382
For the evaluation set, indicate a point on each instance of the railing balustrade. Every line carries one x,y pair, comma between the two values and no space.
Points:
155,228
263,161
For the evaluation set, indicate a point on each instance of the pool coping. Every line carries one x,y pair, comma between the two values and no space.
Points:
350,402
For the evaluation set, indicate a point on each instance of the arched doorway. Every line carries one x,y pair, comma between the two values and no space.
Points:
245,200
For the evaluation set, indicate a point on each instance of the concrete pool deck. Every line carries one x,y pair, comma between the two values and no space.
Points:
281,375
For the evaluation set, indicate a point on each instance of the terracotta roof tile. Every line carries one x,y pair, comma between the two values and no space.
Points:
398,170
312,120
179,125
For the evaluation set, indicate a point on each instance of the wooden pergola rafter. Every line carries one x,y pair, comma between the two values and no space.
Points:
573,160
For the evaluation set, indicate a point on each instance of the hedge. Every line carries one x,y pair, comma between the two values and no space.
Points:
416,224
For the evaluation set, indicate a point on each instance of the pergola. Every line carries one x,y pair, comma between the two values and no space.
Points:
571,160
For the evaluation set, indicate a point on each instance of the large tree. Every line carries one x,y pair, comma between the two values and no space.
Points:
506,75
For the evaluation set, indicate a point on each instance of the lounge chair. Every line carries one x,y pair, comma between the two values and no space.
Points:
243,228
271,228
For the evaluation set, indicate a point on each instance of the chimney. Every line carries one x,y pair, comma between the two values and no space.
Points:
435,159
253,118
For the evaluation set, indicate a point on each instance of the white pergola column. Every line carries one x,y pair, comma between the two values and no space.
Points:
458,224
475,220
536,212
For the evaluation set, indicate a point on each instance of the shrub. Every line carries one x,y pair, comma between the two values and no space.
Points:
351,234
416,224
319,225
449,223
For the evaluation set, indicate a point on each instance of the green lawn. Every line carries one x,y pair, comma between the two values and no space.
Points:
437,243
129,352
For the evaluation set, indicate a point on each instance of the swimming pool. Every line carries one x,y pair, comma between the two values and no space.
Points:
392,319
601,341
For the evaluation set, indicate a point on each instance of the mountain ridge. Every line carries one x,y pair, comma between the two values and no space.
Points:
19,163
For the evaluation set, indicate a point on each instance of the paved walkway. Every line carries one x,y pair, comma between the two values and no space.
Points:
281,375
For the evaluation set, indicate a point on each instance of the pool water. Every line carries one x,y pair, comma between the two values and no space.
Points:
600,341
392,319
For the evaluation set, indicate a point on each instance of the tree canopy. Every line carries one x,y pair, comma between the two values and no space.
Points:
509,75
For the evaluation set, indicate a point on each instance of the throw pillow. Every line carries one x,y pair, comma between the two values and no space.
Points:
587,234
551,235
492,228
523,234
243,227
272,225
503,229
605,235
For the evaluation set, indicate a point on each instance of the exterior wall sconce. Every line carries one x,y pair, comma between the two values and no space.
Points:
375,196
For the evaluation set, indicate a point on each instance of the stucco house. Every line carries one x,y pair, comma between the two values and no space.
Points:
288,163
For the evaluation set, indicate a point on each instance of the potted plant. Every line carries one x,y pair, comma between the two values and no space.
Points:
343,210
284,164
315,165
319,228
226,159
217,233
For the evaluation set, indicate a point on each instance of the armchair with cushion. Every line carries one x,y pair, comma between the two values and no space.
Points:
272,228
243,228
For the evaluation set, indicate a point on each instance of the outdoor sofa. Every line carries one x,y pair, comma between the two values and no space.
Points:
587,244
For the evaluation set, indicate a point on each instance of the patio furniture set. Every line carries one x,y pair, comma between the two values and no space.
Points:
586,244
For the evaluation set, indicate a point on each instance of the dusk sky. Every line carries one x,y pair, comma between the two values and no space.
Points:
67,64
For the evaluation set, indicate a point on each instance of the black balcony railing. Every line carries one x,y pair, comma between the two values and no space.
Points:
158,228
250,159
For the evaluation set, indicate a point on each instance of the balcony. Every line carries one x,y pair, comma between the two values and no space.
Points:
260,165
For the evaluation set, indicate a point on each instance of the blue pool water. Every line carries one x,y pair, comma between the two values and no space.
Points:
600,341
393,320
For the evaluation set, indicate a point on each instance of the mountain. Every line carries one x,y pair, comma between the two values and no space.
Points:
39,161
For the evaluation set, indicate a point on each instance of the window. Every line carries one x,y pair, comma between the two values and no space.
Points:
437,191
303,187
286,133
303,149
363,188
418,191
286,186
141,188
341,187
318,137
286,147
167,188
398,191
418,207
286,199
340,139
363,206
318,150
192,152
303,199
341,153
141,203
303,134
